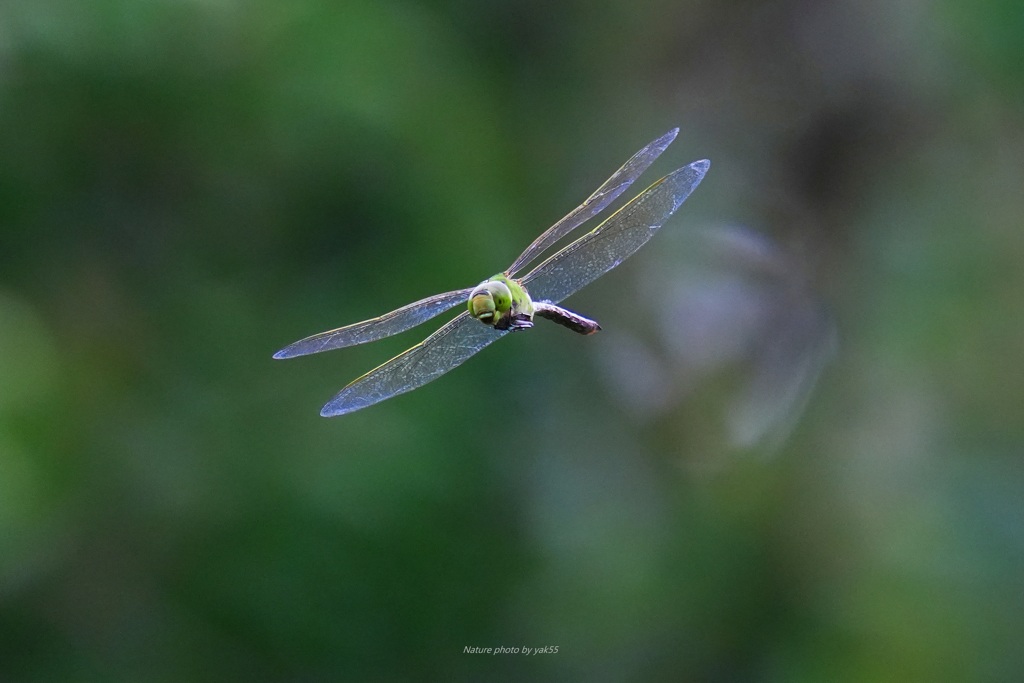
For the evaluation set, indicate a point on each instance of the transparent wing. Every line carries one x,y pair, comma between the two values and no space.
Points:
447,348
614,240
618,183
386,325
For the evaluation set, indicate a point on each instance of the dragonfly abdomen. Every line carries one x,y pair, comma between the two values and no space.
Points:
566,318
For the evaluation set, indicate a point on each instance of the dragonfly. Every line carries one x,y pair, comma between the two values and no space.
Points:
505,303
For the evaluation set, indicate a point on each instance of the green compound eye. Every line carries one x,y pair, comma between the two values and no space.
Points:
488,301
501,294
481,306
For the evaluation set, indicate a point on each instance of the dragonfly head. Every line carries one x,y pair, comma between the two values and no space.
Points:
490,302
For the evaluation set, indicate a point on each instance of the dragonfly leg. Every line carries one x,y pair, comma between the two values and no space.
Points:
565,318
519,321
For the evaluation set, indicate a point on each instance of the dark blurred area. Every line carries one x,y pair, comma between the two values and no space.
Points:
793,454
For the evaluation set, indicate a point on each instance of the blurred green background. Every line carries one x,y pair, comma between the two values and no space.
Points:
188,185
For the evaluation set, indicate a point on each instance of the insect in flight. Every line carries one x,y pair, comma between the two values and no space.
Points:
504,303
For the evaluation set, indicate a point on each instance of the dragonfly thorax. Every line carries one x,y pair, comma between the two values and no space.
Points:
501,303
